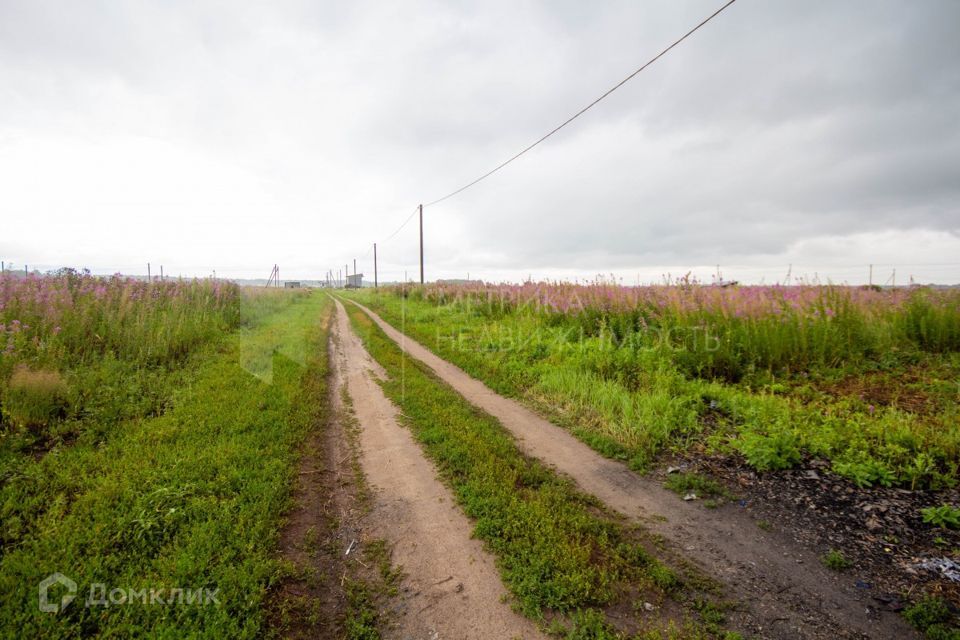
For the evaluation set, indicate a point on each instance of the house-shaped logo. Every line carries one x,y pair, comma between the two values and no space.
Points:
48,582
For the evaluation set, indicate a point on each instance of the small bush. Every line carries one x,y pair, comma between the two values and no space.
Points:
864,471
932,616
589,624
835,560
34,398
684,483
944,516
779,450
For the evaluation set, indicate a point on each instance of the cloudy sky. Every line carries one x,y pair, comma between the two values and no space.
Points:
230,136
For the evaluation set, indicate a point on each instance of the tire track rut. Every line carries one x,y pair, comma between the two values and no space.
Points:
451,587
783,590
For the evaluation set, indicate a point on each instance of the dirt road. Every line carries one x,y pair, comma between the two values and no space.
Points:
783,589
451,587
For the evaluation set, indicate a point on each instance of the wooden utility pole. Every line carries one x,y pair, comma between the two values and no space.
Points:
354,267
148,272
273,280
374,265
346,275
421,244
161,273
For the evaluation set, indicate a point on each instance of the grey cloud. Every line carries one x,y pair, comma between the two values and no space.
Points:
778,122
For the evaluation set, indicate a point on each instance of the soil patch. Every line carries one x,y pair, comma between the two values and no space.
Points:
318,596
879,530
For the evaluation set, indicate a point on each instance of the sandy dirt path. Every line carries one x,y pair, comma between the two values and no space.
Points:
451,587
784,590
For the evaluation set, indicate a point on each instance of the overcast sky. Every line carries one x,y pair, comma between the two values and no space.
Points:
230,136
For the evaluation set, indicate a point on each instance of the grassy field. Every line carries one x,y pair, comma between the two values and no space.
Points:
148,446
82,354
557,550
151,435
864,378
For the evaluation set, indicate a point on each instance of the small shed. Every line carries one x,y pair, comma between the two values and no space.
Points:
291,284
355,281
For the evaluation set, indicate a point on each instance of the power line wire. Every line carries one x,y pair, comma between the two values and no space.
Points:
392,235
400,228
582,111
558,128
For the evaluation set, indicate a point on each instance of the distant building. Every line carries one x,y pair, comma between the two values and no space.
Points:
291,284
355,281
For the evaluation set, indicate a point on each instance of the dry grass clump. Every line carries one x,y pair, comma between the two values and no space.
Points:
34,398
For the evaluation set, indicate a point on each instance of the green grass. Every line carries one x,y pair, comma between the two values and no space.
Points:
836,561
365,618
183,490
944,516
555,548
870,388
362,622
83,354
932,617
700,485
634,400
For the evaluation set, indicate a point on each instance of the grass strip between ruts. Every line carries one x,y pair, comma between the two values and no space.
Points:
556,549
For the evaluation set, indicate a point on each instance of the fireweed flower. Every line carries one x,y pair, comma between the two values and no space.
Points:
131,318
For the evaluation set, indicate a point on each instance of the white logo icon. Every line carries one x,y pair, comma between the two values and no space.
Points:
49,581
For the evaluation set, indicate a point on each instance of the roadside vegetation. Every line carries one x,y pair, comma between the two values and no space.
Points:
861,381
691,486
558,551
141,458
80,353
863,378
